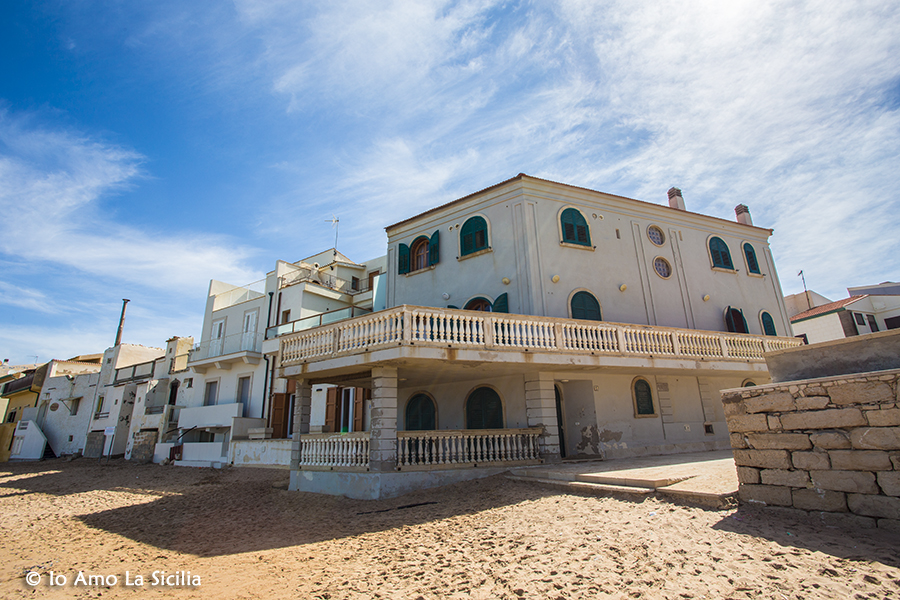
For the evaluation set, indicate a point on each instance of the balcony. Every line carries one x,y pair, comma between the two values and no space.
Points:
325,318
222,353
332,282
411,332
218,415
137,372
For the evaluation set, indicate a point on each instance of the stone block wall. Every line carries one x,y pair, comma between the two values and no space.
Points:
830,444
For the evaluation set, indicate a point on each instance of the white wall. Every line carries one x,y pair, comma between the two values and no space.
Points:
59,425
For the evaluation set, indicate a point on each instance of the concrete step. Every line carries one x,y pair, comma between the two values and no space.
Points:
582,487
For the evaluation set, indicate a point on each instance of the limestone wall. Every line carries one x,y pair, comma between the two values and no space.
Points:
829,444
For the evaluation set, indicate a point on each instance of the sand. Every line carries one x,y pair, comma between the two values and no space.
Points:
245,536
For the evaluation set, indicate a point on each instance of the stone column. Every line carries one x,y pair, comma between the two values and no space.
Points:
540,410
383,448
302,409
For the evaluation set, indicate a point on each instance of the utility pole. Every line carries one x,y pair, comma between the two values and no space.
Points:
125,302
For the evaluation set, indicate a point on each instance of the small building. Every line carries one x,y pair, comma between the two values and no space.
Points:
869,309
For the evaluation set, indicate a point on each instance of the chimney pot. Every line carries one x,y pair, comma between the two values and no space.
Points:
743,214
676,200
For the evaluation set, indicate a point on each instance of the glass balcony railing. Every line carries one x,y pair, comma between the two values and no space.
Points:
325,318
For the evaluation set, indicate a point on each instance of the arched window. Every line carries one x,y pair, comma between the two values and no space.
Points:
585,306
574,228
750,255
424,252
768,324
735,321
643,398
420,413
482,304
721,257
419,254
484,410
474,236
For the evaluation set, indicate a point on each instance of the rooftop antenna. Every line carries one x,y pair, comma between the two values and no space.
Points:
125,302
805,292
334,224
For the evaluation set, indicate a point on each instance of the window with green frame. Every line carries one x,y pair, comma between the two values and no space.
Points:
643,398
574,228
423,252
473,236
420,413
768,323
721,257
585,306
750,255
484,410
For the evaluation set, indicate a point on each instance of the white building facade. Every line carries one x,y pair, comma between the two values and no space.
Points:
537,321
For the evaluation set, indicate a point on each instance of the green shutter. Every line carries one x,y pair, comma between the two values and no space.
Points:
585,306
474,235
752,263
720,254
729,320
575,228
451,306
434,248
403,262
643,398
768,324
484,410
420,414
501,304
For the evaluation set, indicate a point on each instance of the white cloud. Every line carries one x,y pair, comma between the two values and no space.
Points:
776,105
61,188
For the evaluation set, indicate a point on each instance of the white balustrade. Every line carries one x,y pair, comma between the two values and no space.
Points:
434,449
335,450
405,325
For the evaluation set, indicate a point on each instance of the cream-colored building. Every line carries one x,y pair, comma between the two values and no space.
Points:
534,321
240,411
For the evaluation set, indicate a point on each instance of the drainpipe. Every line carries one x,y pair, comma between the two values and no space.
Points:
266,386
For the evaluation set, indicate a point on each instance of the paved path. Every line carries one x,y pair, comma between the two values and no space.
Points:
706,478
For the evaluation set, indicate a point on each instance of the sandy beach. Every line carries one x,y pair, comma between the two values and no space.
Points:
240,534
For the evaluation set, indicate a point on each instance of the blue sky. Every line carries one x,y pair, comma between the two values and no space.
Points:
148,147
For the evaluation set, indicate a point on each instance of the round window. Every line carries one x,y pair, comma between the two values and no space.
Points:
663,268
656,235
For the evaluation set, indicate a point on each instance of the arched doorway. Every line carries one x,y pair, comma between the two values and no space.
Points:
484,410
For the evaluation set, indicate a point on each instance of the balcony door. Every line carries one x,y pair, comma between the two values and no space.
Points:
217,337
248,342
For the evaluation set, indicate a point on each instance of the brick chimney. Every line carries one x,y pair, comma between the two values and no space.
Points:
676,200
743,214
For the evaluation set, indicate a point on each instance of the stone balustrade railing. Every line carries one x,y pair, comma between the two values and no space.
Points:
421,326
447,448
342,450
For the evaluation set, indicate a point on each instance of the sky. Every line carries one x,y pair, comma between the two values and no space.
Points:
148,147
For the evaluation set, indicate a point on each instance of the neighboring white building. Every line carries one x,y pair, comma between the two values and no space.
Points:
869,309
123,367
236,394
64,409
530,321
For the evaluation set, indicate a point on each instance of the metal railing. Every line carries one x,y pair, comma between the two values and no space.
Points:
138,371
414,325
250,341
339,284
